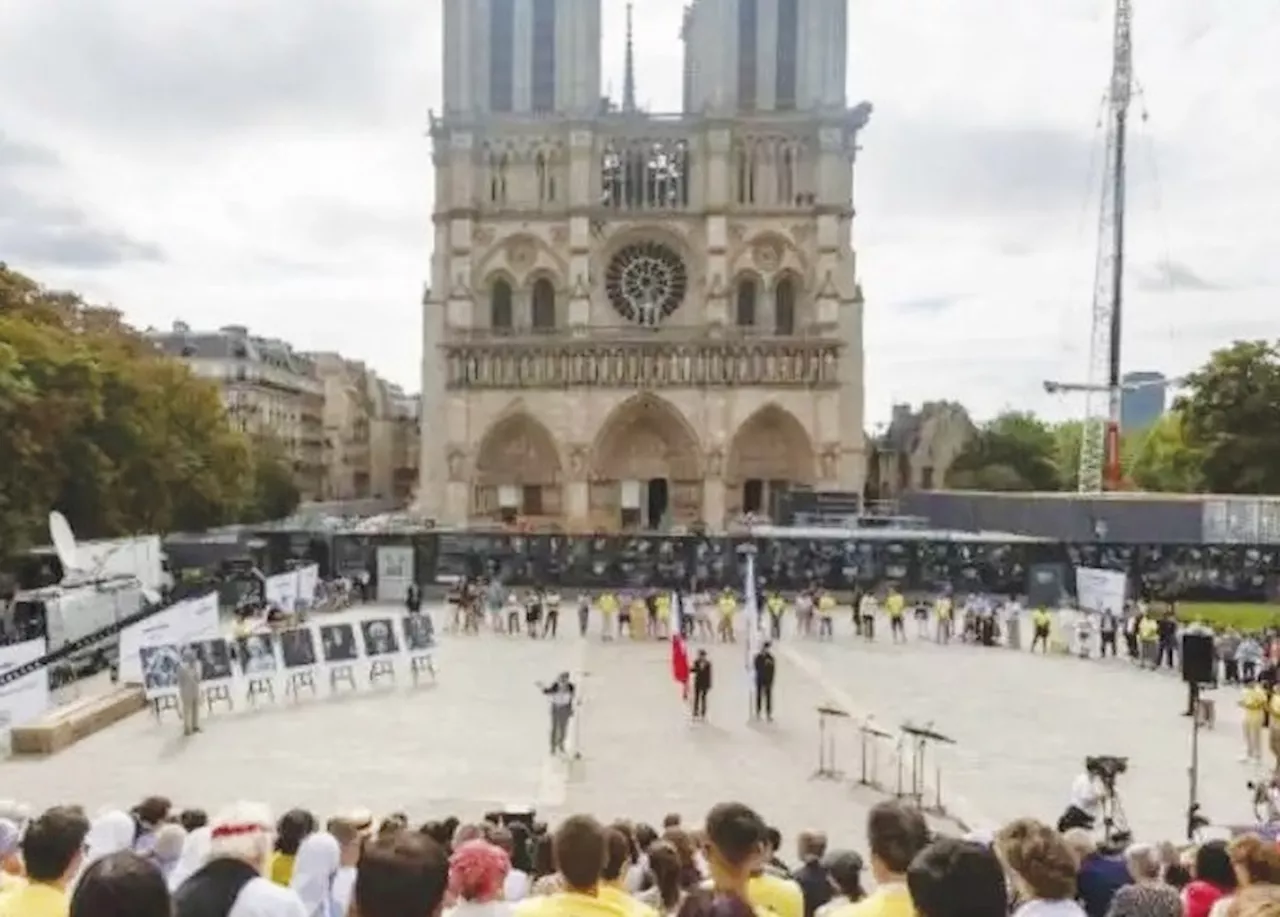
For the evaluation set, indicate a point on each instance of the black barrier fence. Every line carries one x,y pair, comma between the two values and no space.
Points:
1222,573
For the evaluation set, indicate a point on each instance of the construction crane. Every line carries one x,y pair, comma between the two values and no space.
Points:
1100,436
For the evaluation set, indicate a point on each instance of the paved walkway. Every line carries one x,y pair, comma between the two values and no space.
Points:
478,739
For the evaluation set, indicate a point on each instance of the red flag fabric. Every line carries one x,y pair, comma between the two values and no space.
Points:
679,654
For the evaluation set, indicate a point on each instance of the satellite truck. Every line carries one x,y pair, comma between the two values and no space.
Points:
101,583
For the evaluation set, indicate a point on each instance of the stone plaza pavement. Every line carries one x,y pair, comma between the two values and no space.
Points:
478,738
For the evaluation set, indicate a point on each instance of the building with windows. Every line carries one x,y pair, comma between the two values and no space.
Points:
1142,399
641,320
268,388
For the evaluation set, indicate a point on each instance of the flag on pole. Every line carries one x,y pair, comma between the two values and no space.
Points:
679,654
753,628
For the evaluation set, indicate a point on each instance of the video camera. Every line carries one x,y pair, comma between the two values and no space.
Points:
1106,767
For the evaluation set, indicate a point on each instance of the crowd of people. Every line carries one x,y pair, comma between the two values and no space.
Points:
155,862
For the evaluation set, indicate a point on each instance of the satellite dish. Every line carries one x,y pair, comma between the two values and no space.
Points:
64,543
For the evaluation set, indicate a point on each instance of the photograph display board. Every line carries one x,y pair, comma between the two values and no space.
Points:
268,655
180,624
214,657
395,573
298,648
419,633
338,643
379,638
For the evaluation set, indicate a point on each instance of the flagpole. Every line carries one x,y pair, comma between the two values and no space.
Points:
753,623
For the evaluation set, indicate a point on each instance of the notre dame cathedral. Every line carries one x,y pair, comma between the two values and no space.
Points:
641,320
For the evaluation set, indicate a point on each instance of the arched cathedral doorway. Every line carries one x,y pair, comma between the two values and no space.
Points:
771,453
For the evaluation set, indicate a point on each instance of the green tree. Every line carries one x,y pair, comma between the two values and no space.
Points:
1015,451
1162,459
1231,418
101,426
275,488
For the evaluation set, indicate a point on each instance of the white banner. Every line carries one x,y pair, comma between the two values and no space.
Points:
27,699
395,572
308,581
1100,590
179,624
281,590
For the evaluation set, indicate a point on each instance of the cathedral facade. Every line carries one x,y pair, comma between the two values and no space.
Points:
637,320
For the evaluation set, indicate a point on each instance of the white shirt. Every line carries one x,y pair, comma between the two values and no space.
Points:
561,695
515,887
1085,795
263,898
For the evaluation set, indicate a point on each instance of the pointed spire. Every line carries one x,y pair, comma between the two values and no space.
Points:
629,76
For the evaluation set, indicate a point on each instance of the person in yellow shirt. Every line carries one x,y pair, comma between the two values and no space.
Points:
662,607
1253,700
895,834
776,606
612,877
608,606
942,611
1041,622
768,889
735,836
826,616
1148,641
53,852
728,609
895,607
581,849
292,828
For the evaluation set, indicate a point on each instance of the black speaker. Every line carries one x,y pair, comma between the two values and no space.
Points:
1199,660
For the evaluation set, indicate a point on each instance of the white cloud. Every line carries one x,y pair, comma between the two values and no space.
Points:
246,161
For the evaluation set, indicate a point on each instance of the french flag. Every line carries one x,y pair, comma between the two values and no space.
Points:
679,654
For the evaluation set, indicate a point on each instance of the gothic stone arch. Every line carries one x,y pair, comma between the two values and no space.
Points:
519,452
769,453
644,439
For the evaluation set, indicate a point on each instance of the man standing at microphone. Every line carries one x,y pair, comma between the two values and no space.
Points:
701,672
765,667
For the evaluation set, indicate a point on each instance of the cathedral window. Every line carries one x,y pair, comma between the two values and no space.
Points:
502,31
786,166
543,75
784,92
498,178
784,306
748,36
545,165
501,315
746,174
544,305
746,312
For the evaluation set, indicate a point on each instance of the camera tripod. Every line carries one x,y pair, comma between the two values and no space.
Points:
1115,823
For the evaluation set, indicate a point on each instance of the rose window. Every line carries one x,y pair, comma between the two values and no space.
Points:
646,282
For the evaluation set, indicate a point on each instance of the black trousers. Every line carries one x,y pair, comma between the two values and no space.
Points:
1075,818
700,702
1108,640
764,699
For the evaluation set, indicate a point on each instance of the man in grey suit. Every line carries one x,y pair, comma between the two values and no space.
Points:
189,691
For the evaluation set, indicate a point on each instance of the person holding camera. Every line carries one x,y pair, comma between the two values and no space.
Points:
1088,791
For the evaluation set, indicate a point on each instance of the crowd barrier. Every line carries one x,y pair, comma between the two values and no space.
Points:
968,563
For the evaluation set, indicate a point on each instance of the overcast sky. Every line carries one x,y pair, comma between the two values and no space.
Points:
262,162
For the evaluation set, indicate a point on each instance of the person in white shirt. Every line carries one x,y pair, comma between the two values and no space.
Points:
1087,794
561,693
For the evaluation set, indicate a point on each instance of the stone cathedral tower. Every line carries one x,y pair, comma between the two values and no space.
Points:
641,320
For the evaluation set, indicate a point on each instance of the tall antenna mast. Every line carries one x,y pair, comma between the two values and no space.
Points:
629,76
1100,437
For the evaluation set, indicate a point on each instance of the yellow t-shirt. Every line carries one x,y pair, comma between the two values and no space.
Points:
826,606
280,868
887,901
942,608
608,604
632,907
728,605
1040,619
35,899
776,894
776,605
1148,630
663,606
569,904
894,604
1254,701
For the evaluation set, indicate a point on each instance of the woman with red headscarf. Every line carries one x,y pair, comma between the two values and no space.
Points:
477,870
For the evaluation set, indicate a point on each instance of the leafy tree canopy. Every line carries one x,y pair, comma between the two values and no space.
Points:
118,437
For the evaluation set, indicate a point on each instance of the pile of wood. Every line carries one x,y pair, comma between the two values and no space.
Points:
63,727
